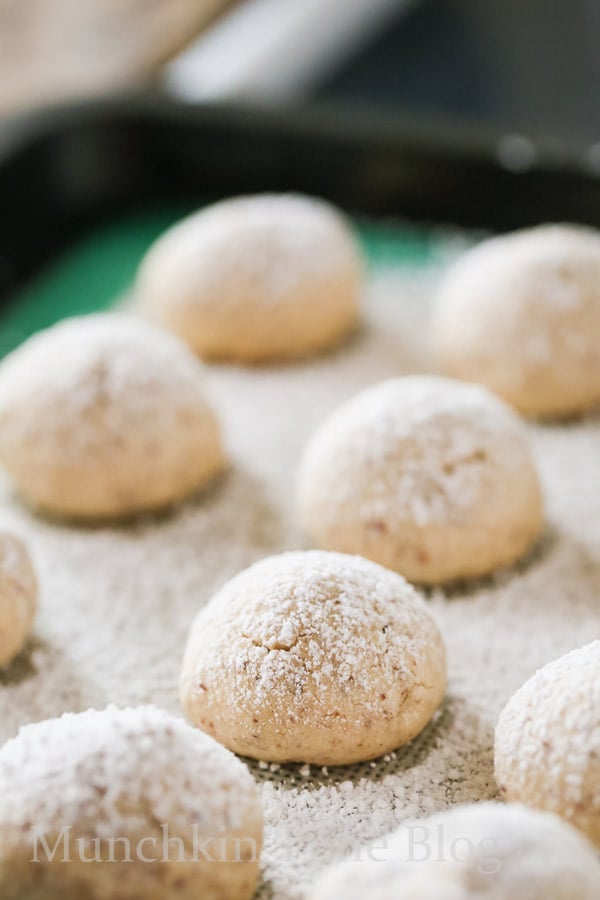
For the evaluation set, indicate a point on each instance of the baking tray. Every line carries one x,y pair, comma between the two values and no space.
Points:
84,191
63,171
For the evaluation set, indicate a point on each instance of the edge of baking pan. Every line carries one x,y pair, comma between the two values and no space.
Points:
63,169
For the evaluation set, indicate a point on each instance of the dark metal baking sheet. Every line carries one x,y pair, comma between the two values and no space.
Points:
62,170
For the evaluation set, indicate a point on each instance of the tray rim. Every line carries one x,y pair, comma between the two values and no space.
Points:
62,169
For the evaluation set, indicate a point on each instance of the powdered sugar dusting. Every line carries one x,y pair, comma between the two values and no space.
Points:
276,242
101,367
426,444
484,849
118,771
533,851
116,604
312,620
533,293
14,562
552,725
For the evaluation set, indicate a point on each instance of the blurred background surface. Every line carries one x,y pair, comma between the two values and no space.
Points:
512,66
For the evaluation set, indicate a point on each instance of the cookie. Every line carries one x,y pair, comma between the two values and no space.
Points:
125,803
471,852
314,657
255,279
547,751
520,314
103,417
428,476
18,597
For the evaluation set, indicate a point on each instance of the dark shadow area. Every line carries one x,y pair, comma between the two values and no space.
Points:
528,67
22,666
537,554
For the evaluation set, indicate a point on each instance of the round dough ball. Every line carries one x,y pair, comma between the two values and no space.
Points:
548,741
383,881
314,657
255,278
18,597
125,804
431,477
483,851
521,315
105,416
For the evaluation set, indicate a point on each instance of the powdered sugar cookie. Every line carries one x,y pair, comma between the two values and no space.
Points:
104,416
18,596
484,851
428,476
314,657
521,315
548,740
382,881
255,278
125,804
